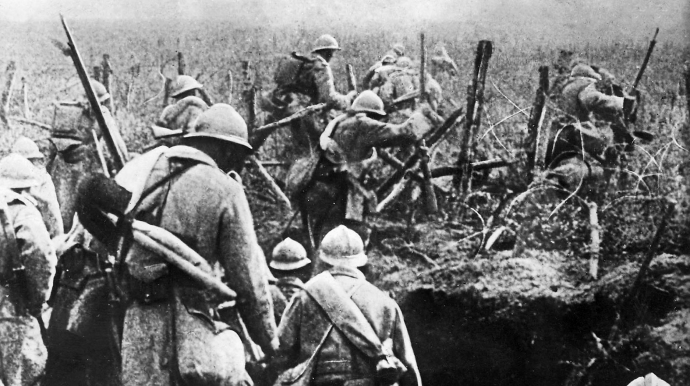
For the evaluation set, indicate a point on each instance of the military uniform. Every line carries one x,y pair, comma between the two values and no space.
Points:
301,83
208,211
22,352
77,157
182,115
575,132
336,194
338,359
394,81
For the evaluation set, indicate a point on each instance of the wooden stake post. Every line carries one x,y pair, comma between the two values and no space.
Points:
533,143
475,102
107,81
7,92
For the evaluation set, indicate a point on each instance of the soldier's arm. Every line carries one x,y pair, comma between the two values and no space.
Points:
369,76
402,348
245,269
288,334
325,87
36,254
380,134
598,102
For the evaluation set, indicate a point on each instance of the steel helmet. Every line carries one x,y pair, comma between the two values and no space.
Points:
343,246
98,88
387,59
184,83
325,42
26,148
583,70
368,102
399,49
221,121
289,255
17,172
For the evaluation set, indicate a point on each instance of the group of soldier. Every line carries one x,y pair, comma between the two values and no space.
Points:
121,313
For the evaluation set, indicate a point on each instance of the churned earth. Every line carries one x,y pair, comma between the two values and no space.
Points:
532,319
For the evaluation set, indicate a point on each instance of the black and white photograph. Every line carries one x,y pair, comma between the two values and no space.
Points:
344,193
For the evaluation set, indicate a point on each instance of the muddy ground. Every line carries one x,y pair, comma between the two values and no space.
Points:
532,319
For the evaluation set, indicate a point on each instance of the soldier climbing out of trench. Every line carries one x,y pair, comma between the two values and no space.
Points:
389,58
577,149
301,82
331,192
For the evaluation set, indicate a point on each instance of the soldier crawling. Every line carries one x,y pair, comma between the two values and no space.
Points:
301,82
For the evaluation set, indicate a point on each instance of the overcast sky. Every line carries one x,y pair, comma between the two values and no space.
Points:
635,16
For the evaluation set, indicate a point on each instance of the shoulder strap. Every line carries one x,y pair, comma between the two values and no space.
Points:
304,366
345,315
11,252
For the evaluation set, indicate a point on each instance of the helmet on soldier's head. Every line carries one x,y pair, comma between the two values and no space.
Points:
98,88
399,49
289,255
325,42
387,59
17,172
184,83
26,148
221,121
585,71
368,102
343,246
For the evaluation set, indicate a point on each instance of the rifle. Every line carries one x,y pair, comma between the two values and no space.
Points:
643,67
351,80
431,138
630,114
91,96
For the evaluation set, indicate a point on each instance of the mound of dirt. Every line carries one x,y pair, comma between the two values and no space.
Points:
534,319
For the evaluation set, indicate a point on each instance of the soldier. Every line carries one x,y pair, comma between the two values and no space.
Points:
574,134
206,208
335,194
26,274
342,329
44,192
301,82
76,142
287,264
179,118
400,79
389,58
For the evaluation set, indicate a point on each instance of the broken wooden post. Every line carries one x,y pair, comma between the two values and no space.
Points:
249,95
106,73
533,144
475,102
687,89
594,239
25,99
7,92
181,64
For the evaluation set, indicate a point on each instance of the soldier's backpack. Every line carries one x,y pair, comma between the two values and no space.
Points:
288,75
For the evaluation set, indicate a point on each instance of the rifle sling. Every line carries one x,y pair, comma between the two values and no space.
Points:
345,315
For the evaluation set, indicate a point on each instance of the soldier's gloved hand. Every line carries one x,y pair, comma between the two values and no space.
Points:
351,95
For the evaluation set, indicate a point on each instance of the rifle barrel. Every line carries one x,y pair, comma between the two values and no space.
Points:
91,95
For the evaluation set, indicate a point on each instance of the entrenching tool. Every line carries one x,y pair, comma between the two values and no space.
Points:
91,96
